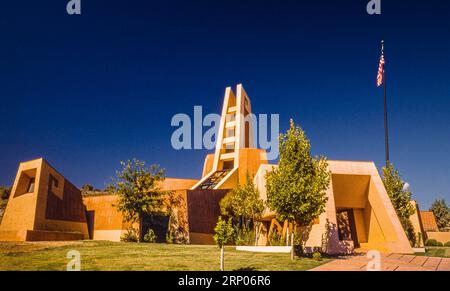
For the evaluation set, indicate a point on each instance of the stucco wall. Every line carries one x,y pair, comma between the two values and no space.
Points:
34,215
442,237
357,186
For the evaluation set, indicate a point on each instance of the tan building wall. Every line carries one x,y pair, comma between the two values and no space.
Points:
43,205
442,237
107,223
354,186
416,222
428,221
177,184
425,223
104,220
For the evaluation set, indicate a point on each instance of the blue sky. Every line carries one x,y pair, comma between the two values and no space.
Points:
88,91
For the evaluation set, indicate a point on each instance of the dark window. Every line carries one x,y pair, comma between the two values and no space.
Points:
228,165
30,188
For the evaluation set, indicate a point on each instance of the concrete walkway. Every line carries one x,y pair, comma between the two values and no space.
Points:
389,262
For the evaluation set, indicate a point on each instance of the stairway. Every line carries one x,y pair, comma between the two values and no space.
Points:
213,180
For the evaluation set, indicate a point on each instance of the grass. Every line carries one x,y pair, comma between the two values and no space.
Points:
442,252
109,256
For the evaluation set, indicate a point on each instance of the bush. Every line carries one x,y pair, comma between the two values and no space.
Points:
276,239
433,243
317,256
419,240
150,236
169,238
129,236
245,237
447,244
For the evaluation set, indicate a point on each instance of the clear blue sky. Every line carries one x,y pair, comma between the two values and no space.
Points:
88,91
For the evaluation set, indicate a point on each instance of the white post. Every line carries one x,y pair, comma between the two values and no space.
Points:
221,259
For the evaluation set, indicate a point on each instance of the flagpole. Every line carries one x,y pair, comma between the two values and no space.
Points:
386,124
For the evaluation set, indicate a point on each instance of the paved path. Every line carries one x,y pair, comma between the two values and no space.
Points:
389,262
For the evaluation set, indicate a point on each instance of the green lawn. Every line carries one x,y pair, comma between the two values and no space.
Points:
442,252
97,255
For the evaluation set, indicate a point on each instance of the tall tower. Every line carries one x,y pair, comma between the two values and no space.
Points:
235,155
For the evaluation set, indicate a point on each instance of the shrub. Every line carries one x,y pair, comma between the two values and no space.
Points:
169,238
150,236
447,244
433,243
129,236
245,236
419,240
317,256
276,239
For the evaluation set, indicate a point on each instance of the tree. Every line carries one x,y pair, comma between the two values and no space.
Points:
138,191
4,192
244,206
442,213
224,234
400,196
87,187
296,190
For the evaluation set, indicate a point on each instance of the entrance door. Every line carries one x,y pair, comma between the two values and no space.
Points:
159,224
346,226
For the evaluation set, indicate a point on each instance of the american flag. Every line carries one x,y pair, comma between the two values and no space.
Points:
380,74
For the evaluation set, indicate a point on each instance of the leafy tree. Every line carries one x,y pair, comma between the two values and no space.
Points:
224,234
243,205
4,192
138,191
399,194
442,213
87,187
296,190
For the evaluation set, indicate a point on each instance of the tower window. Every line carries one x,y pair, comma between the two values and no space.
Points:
31,184
230,132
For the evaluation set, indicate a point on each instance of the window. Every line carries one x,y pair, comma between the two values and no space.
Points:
230,117
30,188
228,165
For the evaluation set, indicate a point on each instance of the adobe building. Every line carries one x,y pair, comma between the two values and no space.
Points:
425,226
43,205
359,214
